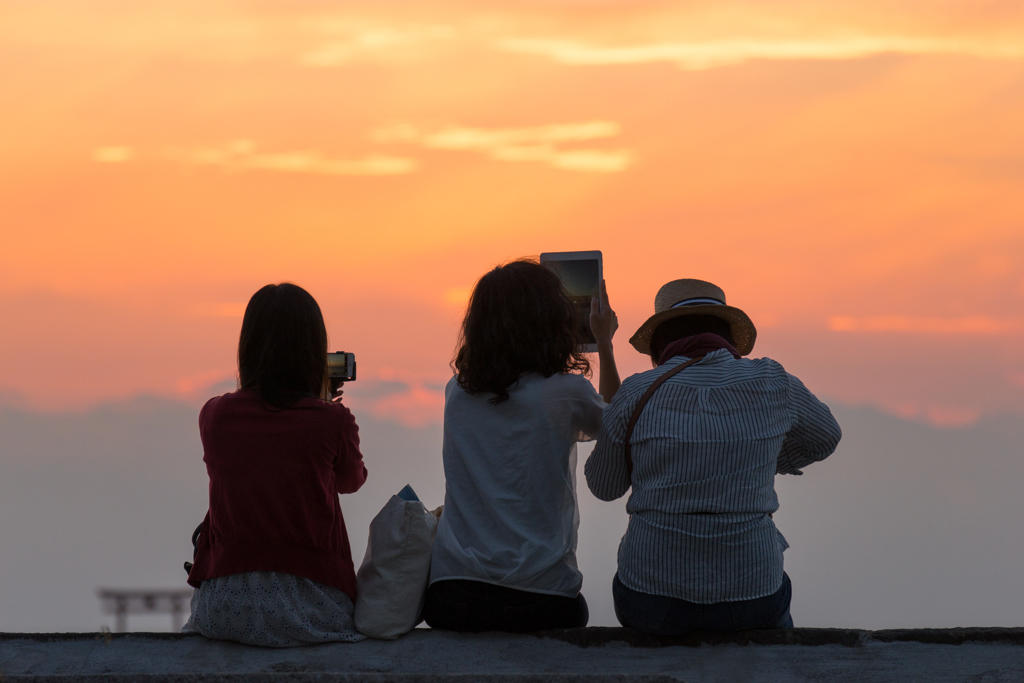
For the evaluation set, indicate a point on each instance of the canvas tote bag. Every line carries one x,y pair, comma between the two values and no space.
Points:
391,583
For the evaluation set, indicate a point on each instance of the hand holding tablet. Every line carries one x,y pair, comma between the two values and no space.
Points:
603,321
582,275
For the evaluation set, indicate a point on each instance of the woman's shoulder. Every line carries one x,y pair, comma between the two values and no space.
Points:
243,402
217,404
340,411
765,368
569,384
223,410
318,411
639,381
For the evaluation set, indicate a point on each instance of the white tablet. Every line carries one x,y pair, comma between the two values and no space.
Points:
581,273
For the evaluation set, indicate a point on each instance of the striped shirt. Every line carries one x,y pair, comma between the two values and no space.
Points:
705,453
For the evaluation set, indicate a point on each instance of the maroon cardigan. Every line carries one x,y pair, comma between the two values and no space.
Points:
275,476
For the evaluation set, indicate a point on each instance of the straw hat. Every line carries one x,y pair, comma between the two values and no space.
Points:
695,297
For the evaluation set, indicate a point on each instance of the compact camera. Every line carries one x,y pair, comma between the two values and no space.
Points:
341,366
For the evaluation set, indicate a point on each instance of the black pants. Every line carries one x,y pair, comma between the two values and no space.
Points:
459,605
674,617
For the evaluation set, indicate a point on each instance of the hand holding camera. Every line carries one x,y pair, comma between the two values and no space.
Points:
341,368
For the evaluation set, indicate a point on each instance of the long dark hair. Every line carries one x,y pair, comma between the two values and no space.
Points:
519,319
282,351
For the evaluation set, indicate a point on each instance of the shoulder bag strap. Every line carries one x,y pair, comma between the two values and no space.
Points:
643,401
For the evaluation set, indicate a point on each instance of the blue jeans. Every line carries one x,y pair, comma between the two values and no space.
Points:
674,617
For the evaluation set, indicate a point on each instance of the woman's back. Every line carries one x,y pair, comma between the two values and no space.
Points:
274,479
705,451
707,441
510,513
253,454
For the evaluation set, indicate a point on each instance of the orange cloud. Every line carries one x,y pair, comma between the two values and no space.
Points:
694,35
457,297
197,384
536,143
701,54
242,155
971,325
412,398
113,154
415,408
353,42
936,415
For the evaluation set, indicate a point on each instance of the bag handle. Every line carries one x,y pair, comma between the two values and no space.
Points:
640,406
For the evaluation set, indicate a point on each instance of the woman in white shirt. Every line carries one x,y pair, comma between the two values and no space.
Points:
504,557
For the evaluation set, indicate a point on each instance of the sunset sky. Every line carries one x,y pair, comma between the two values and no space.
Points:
851,173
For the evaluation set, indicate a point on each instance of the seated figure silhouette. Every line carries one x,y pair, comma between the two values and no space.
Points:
273,566
701,450
504,557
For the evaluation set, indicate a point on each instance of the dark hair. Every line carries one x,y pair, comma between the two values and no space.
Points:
282,351
687,326
519,319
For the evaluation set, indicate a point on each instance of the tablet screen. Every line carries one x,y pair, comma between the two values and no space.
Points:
582,281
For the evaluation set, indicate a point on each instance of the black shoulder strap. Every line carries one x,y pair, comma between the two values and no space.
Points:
643,401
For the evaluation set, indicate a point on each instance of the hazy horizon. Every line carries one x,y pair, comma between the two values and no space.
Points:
906,525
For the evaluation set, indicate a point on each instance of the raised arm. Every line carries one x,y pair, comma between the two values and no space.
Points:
814,434
603,323
349,471
606,467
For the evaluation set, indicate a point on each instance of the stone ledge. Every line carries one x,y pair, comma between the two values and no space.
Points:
589,637
348,678
599,635
602,655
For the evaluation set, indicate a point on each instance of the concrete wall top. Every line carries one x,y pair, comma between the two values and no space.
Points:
591,654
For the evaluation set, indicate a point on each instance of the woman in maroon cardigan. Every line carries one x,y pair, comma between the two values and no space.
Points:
273,565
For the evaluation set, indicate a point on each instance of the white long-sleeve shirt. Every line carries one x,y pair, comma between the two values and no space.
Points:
510,514
705,453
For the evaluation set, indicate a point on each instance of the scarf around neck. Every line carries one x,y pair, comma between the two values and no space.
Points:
696,345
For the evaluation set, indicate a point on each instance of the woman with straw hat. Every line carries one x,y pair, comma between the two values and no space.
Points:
699,439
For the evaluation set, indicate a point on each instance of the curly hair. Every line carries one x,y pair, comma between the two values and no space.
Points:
519,319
